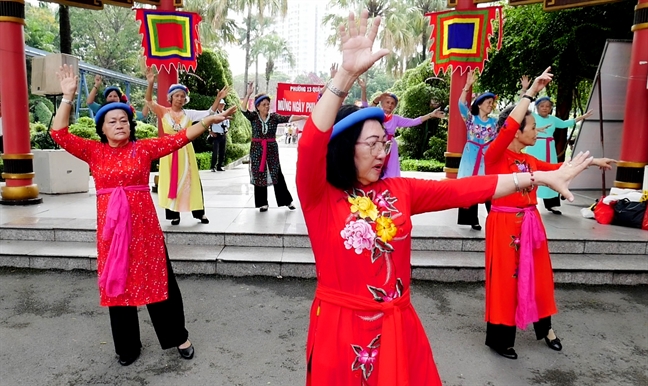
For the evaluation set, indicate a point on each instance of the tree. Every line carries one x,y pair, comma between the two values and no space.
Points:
257,28
109,38
273,47
570,41
216,30
65,29
41,28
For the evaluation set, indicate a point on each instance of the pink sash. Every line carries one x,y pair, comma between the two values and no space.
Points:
480,155
548,141
531,238
118,227
264,154
173,183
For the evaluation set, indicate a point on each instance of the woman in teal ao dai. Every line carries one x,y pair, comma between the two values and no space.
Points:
545,147
480,132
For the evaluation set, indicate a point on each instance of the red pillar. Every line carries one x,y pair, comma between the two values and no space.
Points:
18,164
456,125
168,76
634,140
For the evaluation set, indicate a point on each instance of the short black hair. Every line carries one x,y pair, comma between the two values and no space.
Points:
341,171
505,114
474,109
100,123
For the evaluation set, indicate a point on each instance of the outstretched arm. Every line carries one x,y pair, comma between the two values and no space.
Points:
93,93
470,80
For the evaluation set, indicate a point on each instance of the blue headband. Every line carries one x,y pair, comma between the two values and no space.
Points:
544,98
112,106
178,87
110,89
357,117
260,99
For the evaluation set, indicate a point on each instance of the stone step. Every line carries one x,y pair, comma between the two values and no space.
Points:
281,240
444,266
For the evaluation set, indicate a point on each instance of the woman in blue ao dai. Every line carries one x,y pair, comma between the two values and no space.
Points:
480,132
545,147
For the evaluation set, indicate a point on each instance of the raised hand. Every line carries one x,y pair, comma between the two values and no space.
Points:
69,80
150,75
97,81
362,83
524,80
250,89
223,93
333,70
584,116
357,43
471,78
559,180
218,118
541,81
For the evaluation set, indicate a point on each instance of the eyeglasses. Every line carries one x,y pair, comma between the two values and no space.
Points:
375,147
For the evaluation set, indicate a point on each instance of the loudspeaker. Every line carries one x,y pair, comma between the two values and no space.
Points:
44,68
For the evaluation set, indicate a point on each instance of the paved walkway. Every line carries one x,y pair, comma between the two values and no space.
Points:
229,205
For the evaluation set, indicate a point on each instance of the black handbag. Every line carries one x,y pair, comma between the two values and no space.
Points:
629,213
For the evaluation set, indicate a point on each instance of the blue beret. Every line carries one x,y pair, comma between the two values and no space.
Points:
483,97
112,106
260,99
357,117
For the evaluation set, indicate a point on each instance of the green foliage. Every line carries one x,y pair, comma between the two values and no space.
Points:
204,160
42,140
570,41
109,38
416,165
419,94
235,151
84,131
144,130
209,77
37,128
436,149
41,28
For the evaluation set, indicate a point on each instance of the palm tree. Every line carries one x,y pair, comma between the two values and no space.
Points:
273,47
257,28
216,29
217,11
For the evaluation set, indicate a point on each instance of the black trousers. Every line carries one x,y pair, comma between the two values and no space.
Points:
470,216
218,150
167,317
501,337
281,193
551,202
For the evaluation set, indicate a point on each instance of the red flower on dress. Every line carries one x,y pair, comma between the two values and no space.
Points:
365,357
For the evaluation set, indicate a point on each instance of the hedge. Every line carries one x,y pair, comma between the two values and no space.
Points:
417,165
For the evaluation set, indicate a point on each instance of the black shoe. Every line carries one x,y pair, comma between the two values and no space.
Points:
125,360
220,169
507,353
204,220
213,170
264,208
476,227
553,344
291,207
554,211
186,353
175,222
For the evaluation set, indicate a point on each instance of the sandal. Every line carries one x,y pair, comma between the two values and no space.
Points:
264,208
204,220
175,221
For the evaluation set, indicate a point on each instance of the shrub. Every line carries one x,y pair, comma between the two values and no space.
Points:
236,151
437,147
144,130
421,165
36,128
203,160
84,131
43,140
42,114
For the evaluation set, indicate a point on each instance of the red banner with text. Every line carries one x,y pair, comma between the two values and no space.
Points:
297,99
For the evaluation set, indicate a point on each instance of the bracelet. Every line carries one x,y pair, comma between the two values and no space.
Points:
529,97
202,122
516,182
532,179
69,102
465,89
336,91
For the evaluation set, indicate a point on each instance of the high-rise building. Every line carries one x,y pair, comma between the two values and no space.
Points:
302,28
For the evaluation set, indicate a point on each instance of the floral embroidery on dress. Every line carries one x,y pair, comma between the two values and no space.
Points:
477,131
380,295
515,243
365,357
523,167
370,226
